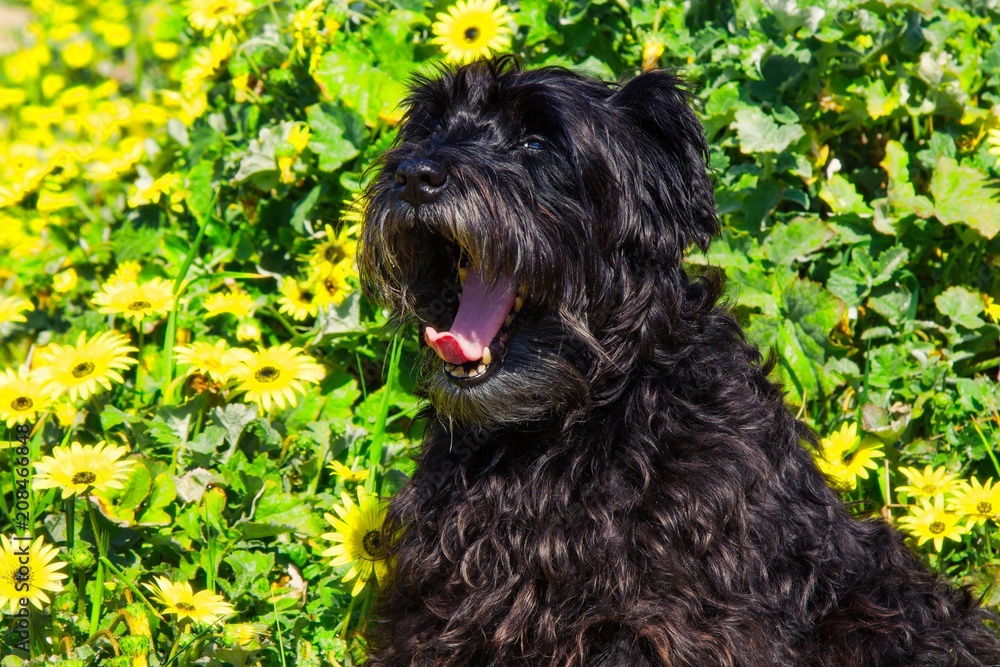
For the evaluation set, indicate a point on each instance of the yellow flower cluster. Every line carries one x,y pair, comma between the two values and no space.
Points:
271,377
325,283
937,502
76,371
941,502
71,133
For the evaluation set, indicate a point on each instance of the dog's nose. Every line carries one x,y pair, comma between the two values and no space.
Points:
420,181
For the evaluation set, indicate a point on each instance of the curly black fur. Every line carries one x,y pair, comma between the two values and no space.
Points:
628,488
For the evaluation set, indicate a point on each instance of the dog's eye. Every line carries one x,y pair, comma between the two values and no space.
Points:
532,144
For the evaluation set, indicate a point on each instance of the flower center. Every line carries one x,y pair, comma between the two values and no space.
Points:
471,34
184,606
333,254
305,296
372,543
936,527
83,369
139,305
929,489
267,374
21,403
984,507
84,477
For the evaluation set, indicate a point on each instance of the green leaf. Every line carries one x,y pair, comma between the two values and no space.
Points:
796,239
331,138
879,101
842,197
794,368
162,494
201,190
112,416
233,418
259,164
963,306
814,309
759,133
248,566
359,85
965,195
889,261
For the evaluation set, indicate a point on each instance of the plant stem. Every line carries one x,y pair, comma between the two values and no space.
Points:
277,631
132,587
375,449
102,539
171,333
986,445
210,541
137,398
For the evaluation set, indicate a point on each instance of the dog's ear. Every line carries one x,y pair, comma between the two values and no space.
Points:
673,153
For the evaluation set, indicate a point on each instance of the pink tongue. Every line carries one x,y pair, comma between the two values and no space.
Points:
480,314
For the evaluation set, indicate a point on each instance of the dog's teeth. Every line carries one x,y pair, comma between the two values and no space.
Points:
481,369
508,320
459,372
522,291
463,273
450,368
518,302
473,372
487,356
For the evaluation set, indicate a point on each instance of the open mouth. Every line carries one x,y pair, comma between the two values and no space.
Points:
484,324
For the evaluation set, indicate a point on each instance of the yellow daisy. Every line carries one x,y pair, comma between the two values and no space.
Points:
296,140
652,50
22,396
65,281
844,458
841,442
992,309
359,540
127,272
208,61
236,303
337,251
65,413
978,502
207,15
79,468
346,474
219,361
179,598
12,307
932,522
274,376
931,483
134,300
472,29
167,189
80,370
329,287
40,573
297,299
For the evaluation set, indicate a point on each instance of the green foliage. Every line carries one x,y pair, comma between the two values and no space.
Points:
855,181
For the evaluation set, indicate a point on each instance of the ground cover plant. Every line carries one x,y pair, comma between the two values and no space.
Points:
202,414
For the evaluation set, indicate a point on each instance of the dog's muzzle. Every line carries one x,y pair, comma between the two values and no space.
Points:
420,181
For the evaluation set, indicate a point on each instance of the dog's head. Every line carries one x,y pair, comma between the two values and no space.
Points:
517,217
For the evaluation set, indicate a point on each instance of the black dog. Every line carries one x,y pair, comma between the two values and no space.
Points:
608,477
